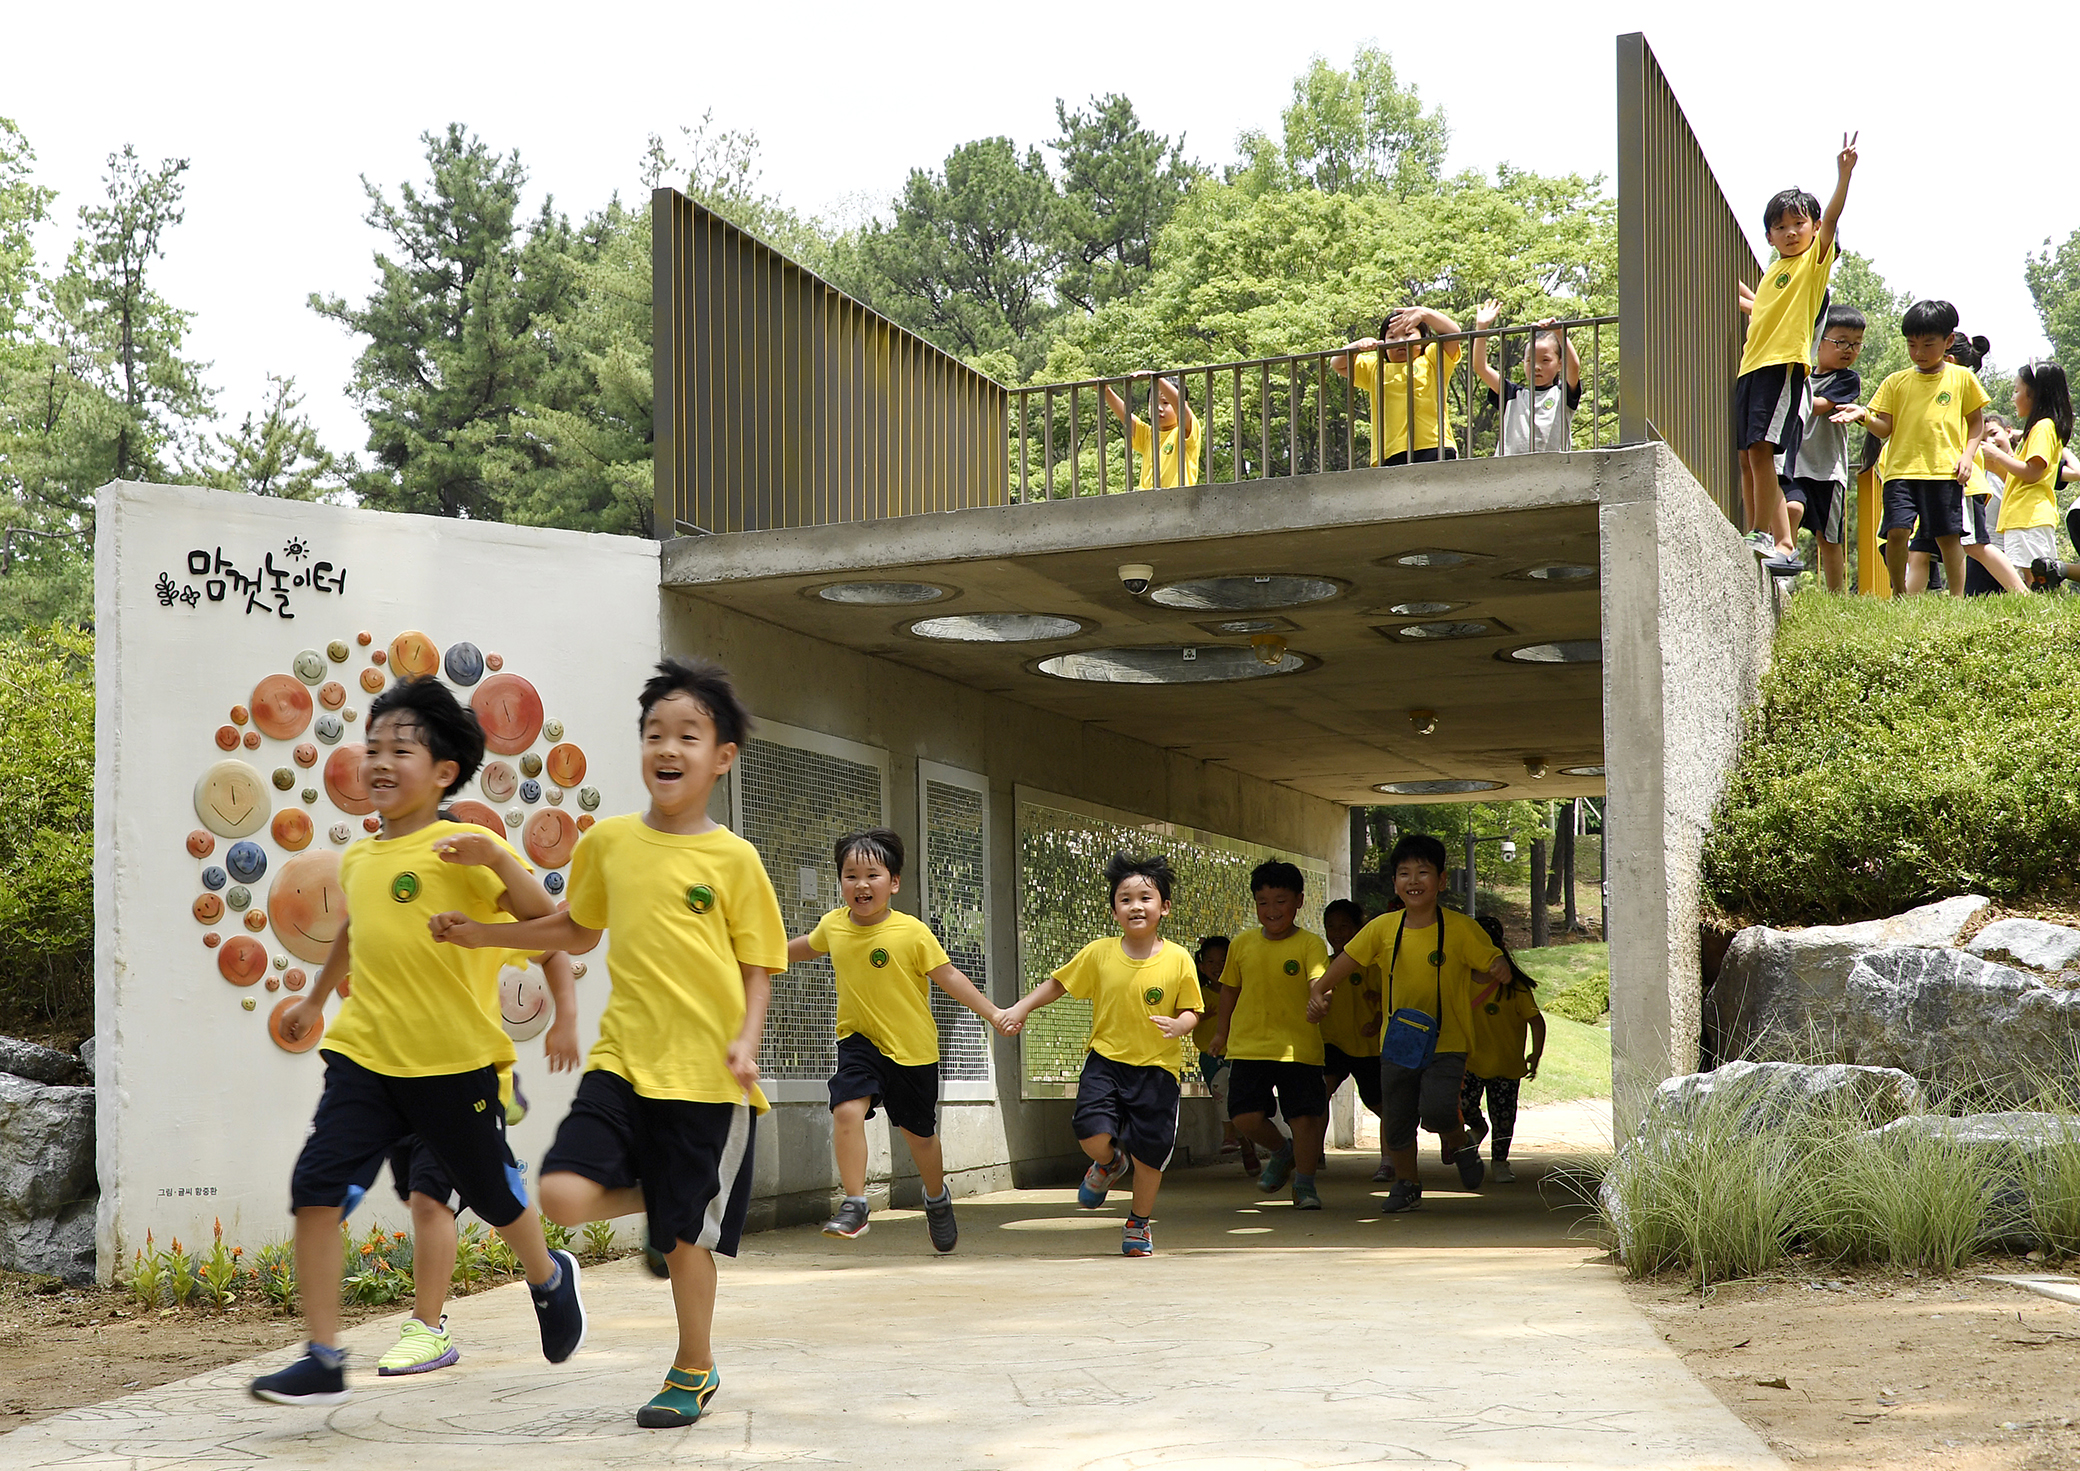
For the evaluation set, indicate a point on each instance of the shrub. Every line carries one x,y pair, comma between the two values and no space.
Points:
1904,751
1585,1001
47,831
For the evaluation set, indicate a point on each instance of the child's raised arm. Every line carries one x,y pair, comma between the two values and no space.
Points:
1178,406
1844,165
1340,365
1573,368
1998,458
1118,406
1485,316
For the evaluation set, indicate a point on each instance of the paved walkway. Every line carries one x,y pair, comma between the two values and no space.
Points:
1476,1333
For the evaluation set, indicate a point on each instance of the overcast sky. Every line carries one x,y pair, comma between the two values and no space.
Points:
282,109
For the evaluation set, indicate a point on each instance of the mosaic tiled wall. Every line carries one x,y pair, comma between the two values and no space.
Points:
954,908
795,805
1062,906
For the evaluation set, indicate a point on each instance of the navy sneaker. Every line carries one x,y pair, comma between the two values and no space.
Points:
308,1381
560,1310
1471,1170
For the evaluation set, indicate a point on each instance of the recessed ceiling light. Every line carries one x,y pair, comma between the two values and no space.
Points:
1423,610
881,594
1451,788
1432,557
1581,771
1562,651
1246,625
1558,572
997,628
1468,629
1244,594
1168,664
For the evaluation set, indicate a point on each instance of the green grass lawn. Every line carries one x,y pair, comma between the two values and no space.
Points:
1577,1063
1556,967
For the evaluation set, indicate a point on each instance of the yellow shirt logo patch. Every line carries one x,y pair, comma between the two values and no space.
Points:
1783,280
405,887
879,959
1292,967
700,898
1943,397
1153,995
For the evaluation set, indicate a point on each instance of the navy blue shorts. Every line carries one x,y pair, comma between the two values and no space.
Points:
1900,508
1298,1086
1824,501
414,1171
363,1115
1769,408
693,1160
1364,1071
909,1094
1135,1105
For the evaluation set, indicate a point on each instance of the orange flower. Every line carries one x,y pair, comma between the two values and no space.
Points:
368,1251
177,1247
237,1252
397,1235
217,1224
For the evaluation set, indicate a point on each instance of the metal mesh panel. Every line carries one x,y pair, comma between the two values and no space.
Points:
796,804
953,894
1063,906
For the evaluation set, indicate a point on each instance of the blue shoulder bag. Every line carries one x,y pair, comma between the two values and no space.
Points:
1410,1039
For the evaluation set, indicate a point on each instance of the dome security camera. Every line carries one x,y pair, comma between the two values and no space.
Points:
1136,576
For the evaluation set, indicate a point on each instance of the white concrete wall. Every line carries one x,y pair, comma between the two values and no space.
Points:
1688,617
193,1096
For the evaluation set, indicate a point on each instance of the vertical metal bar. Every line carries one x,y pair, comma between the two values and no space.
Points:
1206,434
1075,440
1440,379
1264,420
1596,386
1025,479
1049,449
1321,412
1235,440
1408,379
1292,416
1104,470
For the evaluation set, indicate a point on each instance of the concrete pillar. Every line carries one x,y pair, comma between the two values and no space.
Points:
1688,615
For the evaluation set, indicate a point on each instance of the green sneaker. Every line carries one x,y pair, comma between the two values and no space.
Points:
1305,1196
419,1349
682,1401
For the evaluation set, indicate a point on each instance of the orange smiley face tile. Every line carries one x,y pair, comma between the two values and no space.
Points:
242,960
344,782
565,765
413,655
293,829
550,836
281,707
332,694
208,908
372,680
308,905
510,712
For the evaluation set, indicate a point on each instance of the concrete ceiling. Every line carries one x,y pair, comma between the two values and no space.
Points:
1334,729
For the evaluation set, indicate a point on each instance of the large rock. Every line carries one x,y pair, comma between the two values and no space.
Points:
1780,991
2007,1133
47,1183
1948,1016
37,1064
1768,1094
2029,942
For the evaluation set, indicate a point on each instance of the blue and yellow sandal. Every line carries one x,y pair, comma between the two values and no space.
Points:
682,1401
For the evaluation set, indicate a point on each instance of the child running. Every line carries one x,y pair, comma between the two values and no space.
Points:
1541,417
1144,996
1771,389
1429,1004
417,1047
1272,1043
1497,1065
1351,1027
886,963
664,1117
1210,959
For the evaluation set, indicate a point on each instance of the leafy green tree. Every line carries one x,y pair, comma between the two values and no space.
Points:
1121,182
2053,277
277,454
452,351
47,831
1350,130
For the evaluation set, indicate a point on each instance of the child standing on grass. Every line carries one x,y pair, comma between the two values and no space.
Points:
1405,379
664,1118
1210,959
1540,417
1273,1044
1432,959
1502,1015
1770,392
1144,995
2029,511
1351,1027
417,1047
1815,480
886,963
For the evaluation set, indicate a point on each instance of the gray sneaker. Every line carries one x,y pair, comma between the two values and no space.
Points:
850,1222
938,1220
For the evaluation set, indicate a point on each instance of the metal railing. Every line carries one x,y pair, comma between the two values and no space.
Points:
780,401
1290,415
1680,250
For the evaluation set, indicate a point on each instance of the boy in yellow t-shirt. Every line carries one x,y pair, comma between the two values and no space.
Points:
1504,1014
1770,394
1273,1046
417,1046
1397,375
886,963
1171,405
664,1118
1350,1030
1432,958
1144,996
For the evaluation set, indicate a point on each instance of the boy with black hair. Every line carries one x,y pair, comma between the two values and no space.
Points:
1144,995
1769,396
664,1117
1272,1043
886,963
417,1046
1537,417
1429,1007
1815,480
1351,1027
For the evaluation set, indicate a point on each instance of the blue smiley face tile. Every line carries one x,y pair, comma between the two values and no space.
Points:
530,790
246,860
464,663
213,877
553,882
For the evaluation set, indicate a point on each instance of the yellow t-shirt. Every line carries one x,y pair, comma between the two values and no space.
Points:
418,1008
1787,307
686,910
1124,993
1356,1017
1192,441
2034,502
1390,397
884,981
1928,415
1417,980
1269,1023
1501,1018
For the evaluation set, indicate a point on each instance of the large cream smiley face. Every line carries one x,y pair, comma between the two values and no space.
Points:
524,1008
307,906
231,799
